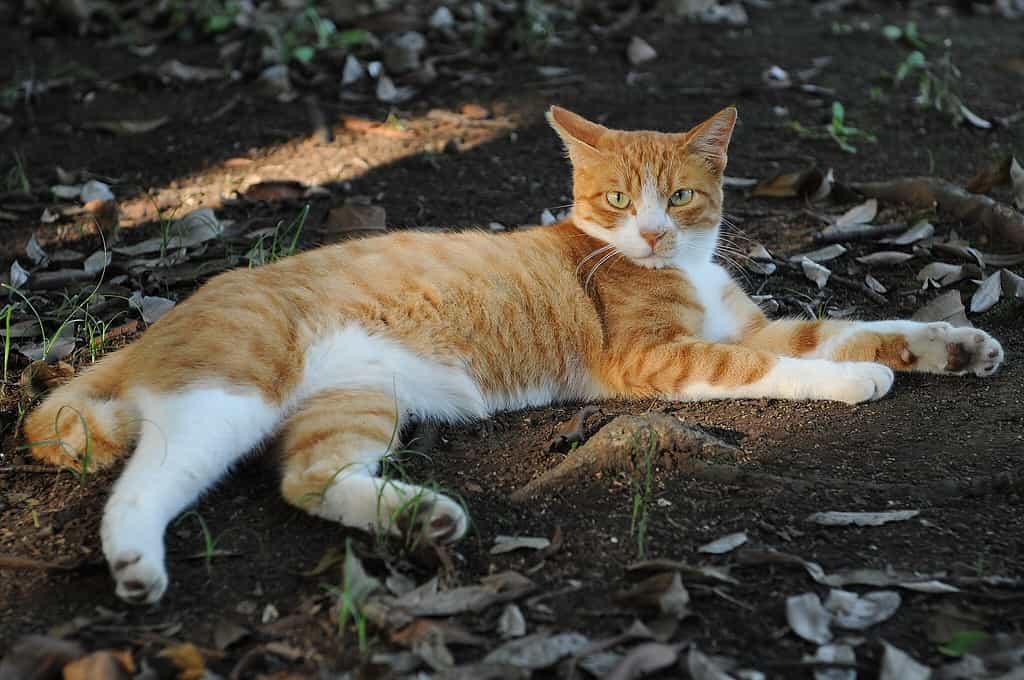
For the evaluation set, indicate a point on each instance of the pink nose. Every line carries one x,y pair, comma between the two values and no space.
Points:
651,237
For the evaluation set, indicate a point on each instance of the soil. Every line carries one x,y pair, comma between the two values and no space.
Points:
927,430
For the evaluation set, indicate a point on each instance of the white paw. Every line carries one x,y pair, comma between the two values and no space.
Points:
140,578
438,519
969,350
861,381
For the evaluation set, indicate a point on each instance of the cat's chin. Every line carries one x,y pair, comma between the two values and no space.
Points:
653,261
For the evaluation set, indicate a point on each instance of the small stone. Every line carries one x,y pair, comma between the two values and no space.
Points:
441,19
640,51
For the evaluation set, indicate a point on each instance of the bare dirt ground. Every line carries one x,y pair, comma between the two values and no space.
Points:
243,588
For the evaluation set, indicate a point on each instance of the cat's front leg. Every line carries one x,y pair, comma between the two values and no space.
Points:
936,347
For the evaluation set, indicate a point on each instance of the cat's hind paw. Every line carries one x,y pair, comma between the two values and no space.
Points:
140,580
438,519
862,381
944,348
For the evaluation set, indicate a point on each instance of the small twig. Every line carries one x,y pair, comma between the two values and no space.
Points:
27,563
226,108
841,280
35,469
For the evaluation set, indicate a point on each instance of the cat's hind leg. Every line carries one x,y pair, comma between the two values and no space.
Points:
187,441
332,448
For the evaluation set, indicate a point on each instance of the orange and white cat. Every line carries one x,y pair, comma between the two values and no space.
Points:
332,350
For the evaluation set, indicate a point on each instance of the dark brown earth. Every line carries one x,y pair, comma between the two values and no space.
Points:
929,429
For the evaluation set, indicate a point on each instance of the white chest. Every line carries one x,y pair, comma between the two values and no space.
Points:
710,281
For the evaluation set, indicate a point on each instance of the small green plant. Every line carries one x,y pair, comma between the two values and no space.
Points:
938,83
907,33
533,28
836,129
8,311
209,542
963,642
356,587
282,242
17,176
642,482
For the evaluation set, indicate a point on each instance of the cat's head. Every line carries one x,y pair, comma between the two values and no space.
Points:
655,196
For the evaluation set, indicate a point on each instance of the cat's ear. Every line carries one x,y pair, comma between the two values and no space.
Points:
579,134
711,138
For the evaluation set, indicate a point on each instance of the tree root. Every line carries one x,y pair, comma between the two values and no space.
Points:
1002,224
619,445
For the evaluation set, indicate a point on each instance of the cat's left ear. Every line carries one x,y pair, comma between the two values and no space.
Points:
711,138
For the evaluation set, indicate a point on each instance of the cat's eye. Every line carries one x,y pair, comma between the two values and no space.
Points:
617,199
680,197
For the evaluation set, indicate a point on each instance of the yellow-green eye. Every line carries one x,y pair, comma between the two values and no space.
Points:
680,197
617,199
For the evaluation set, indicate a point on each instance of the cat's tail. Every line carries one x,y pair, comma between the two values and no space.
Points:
85,424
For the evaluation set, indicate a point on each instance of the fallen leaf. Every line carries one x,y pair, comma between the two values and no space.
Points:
821,255
505,544
988,293
150,307
38,657
97,262
640,51
547,217
227,633
990,177
885,258
861,519
691,573
874,284
389,93
815,272
511,623
703,668
738,182
36,253
353,71
808,618
897,665
101,665
664,593
276,190
860,214
859,612
811,183
18,276
176,70
66,192
645,658
572,431
724,544
351,218
974,119
963,642
540,650
835,653
600,664
1017,181
126,127
1012,283
452,632
946,307
195,228
918,232
434,652
942,273
95,190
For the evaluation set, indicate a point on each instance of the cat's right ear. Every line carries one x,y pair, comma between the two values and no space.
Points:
579,134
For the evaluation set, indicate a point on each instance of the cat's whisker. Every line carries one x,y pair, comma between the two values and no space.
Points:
599,251
586,284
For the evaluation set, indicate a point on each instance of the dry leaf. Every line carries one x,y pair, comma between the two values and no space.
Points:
993,176
724,544
389,93
861,519
353,70
127,127
897,665
36,253
18,276
821,255
176,70
808,618
349,219
537,651
95,190
276,190
640,51
885,258
942,273
644,659
1017,181
811,183
918,232
856,612
505,544
150,307
97,262
703,668
861,214
38,657
195,228
815,272
874,284
227,633
946,307
974,119
664,593
835,653
511,623
988,293
692,573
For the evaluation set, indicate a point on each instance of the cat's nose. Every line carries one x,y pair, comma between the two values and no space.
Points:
651,237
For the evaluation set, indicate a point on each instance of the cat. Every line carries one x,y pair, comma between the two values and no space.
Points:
331,351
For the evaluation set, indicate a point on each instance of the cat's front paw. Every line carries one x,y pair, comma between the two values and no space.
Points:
944,348
861,381
140,578
438,519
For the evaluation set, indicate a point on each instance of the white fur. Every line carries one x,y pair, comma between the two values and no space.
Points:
709,281
187,442
850,382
